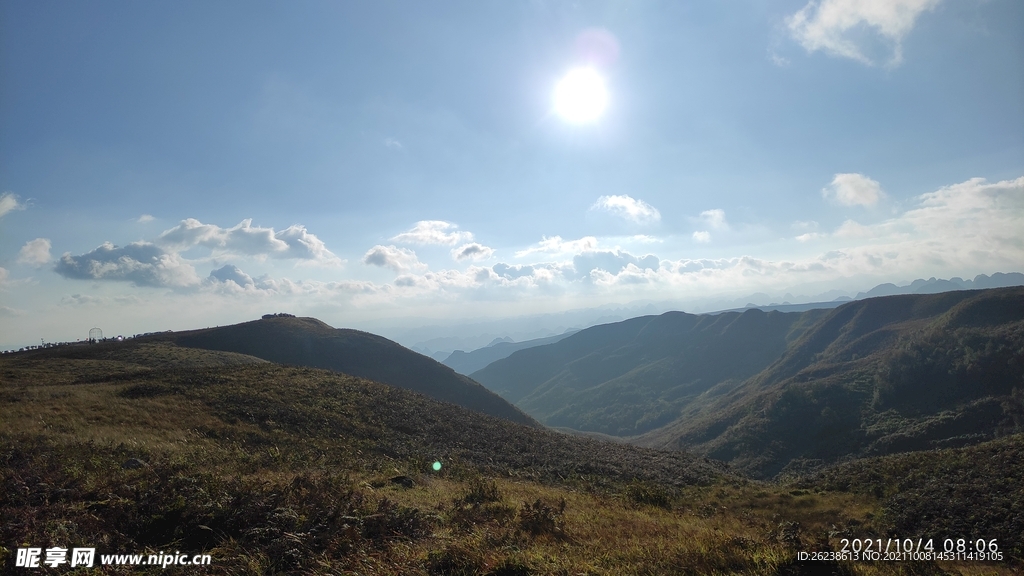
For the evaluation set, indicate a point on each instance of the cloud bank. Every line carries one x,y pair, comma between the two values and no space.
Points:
294,242
141,263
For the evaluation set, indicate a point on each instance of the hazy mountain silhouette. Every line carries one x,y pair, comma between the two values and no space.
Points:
469,362
310,342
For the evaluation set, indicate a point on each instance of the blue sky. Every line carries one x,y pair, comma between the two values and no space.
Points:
175,165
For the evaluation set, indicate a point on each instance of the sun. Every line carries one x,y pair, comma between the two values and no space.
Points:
581,97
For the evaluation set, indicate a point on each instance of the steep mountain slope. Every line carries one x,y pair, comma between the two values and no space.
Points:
872,377
310,342
630,377
469,362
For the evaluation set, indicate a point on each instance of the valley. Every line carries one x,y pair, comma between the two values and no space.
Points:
283,445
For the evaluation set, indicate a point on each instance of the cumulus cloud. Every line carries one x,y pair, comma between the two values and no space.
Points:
715,219
35,252
853,190
9,202
472,251
629,208
141,263
145,218
611,262
555,245
837,26
433,232
398,259
294,242
231,273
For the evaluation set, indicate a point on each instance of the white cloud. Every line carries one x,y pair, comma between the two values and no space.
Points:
231,273
555,245
142,263
836,26
393,144
780,61
145,218
433,232
629,208
715,219
611,262
3,275
35,252
294,242
808,236
9,202
398,259
472,251
853,189
702,236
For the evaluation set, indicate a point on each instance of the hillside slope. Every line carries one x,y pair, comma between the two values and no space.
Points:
631,377
873,377
310,342
143,446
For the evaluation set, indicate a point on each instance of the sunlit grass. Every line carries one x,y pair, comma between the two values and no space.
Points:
280,470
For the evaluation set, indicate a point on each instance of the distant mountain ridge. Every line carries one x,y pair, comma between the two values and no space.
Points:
310,342
767,390
469,362
633,376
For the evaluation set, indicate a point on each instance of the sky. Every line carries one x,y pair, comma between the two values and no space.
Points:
190,164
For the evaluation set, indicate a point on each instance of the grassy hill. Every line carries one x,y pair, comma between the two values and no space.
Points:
310,342
873,377
767,391
952,493
631,377
148,446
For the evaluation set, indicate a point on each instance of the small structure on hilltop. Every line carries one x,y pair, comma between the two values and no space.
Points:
95,335
278,315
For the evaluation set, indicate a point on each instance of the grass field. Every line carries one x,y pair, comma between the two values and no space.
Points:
271,469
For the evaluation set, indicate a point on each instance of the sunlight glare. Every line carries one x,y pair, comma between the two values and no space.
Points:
581,97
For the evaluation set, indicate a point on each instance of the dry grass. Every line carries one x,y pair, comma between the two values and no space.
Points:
280,470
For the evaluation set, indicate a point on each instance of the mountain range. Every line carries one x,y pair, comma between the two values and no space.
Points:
790,303
469,362
255,443
775,391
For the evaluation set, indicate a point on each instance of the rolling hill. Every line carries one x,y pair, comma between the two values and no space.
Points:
310,342
873,377
146,445
788,391
633,376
